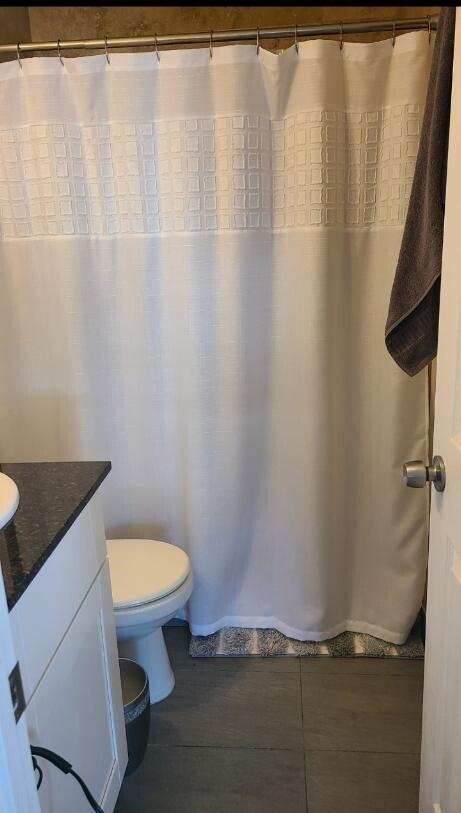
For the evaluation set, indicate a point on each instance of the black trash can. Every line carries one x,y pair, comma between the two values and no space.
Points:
136,706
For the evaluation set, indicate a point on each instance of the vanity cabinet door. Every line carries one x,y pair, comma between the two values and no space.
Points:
77,709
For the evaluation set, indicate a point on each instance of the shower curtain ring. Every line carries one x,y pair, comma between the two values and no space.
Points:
211,44
296,39
19,57
156,48
257,42
105,48
429,26
340,36
59,52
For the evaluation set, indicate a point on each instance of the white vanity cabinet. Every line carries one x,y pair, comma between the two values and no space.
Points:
64,631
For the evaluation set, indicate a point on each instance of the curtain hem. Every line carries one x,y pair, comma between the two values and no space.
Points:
269,622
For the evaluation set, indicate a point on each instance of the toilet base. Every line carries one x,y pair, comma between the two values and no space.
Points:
151,653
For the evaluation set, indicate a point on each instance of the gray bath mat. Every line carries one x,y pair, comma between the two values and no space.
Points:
238,641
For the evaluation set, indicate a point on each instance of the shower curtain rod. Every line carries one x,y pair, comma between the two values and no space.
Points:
236,35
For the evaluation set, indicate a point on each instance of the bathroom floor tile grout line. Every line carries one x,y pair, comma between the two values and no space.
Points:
361,751
304,736
227,747
282,673
303,750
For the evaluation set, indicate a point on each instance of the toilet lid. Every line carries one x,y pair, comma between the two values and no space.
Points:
143,570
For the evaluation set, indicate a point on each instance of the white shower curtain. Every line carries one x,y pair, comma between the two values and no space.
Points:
196,258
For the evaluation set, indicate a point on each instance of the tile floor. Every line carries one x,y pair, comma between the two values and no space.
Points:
281,735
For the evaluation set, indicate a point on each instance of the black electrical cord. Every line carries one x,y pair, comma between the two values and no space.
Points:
63,766
40,772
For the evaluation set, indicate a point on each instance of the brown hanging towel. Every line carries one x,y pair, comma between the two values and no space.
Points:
412,322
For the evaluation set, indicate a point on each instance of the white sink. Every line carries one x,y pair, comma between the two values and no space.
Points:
9,499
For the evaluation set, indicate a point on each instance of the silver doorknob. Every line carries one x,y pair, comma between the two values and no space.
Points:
416,474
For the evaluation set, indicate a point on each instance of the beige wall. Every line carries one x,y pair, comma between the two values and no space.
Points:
48,22
14,25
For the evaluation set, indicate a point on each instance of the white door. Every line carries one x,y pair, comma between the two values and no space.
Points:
17,782
441,752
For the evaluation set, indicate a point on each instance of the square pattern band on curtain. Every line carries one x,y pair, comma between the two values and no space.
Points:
317,167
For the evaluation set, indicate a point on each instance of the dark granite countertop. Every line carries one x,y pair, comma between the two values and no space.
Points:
51,496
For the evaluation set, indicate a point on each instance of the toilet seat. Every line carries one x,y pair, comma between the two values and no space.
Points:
143,571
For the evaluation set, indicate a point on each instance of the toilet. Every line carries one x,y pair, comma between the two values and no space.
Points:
151,581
